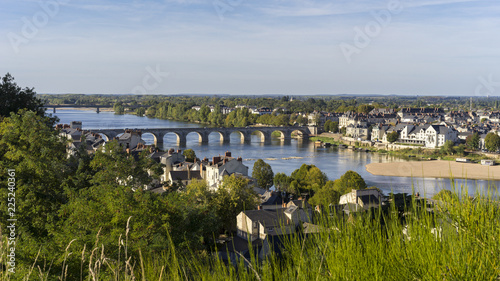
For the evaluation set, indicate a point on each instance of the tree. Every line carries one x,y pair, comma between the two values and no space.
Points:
326,195
282,182
349,181
30,146
118,108
190,155
15,98
472,141
232,197
447,148
492,142
393,136
263,173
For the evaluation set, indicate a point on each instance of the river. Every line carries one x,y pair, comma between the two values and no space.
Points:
282,157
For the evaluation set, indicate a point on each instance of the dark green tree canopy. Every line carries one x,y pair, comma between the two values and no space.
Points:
472,141
392,137
189,154
492,142
263,173
14,98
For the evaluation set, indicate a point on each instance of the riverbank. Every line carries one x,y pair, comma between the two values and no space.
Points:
435,169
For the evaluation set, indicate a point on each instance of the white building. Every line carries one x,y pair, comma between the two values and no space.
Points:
364,198
220,167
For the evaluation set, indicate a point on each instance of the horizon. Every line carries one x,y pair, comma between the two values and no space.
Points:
237,48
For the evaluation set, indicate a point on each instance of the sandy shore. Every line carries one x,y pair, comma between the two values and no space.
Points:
435,169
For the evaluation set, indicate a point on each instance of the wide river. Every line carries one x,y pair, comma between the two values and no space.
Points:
282,157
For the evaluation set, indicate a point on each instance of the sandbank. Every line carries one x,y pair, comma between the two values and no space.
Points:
435,169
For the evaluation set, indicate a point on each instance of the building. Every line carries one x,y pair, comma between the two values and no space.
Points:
219,167
362,198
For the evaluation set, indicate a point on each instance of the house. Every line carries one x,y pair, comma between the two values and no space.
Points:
361,132
219,167
184,177
364,198
130,139
437,135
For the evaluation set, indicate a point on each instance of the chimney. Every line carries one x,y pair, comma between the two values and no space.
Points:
240,159
284,205
189,172
179,151
227,154
259,207
128,150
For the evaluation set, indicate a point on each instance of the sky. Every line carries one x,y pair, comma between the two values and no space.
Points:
253,47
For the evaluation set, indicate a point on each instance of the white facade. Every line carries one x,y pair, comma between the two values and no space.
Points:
215,173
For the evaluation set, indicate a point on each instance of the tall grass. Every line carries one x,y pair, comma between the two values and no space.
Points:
458,240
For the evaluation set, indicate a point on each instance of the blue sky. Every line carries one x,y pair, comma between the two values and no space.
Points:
441,47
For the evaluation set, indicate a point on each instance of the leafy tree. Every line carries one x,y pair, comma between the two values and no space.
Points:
30,146
392,136
118,108
232,197
447,148
140,111
349,181
190,155
472,141
282,182
326,195
263,173
15,98
492,142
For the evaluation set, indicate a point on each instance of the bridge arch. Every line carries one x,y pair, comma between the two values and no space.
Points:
298,133
202,136
155,138
224,137
244,136
265,135
180,139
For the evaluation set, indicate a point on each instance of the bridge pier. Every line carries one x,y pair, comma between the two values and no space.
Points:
97,110
203,138
54,110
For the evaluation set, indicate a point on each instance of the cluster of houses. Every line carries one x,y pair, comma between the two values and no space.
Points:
427,127
279,216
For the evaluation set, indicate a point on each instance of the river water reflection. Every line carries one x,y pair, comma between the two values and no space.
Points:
283,157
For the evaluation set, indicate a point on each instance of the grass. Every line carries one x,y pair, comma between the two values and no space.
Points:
458,241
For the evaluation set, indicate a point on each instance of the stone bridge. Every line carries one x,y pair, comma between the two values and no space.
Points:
203,133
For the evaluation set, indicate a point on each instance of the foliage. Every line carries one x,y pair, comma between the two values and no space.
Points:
33,148
472,141
235,195
349,181
392,136
457,241
14,98
189,154
282,182
263,173
326,195
492,142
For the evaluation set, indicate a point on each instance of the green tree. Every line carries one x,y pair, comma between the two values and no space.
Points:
326,195
447,148
190,155
393,136
30,146
140,111
349,181
472,141
14,98
282,182
263,173
118,108
492,142
232,197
